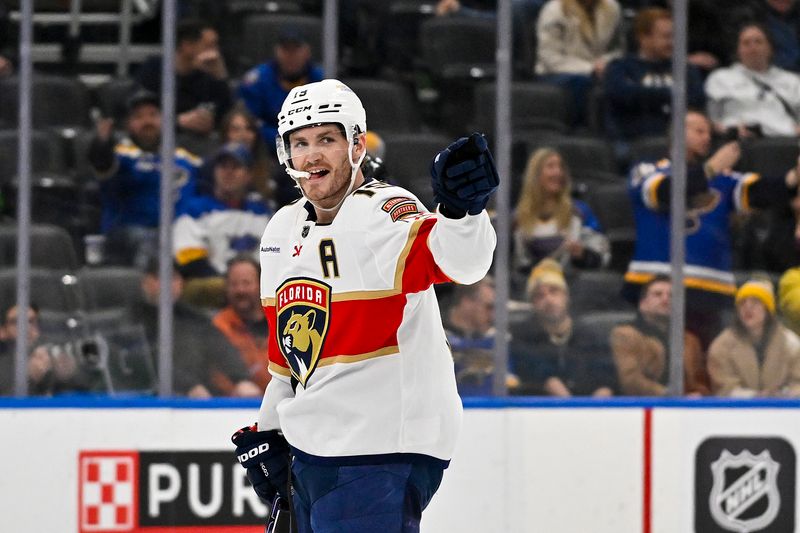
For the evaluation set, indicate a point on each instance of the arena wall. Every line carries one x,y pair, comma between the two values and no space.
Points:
538,465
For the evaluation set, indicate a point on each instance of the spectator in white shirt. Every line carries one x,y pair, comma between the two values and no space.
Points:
753,97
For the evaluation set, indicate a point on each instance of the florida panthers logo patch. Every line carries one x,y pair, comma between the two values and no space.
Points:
303,311
399,207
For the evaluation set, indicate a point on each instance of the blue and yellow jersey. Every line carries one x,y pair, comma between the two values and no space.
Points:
709,259
130,195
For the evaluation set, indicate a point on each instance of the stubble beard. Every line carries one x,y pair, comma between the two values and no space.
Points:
333,192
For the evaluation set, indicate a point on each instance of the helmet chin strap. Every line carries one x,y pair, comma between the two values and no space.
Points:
298,174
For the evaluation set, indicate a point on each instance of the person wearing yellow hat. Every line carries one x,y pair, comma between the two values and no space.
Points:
789,298
757,355
552,354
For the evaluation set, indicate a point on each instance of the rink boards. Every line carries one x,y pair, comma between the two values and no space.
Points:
539,465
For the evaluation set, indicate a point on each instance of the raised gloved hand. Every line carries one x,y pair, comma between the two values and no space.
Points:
463,176
265,456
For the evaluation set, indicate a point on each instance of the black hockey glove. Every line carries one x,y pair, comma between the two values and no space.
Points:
265,455
463,176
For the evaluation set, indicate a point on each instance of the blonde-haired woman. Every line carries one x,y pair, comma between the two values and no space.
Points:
550,223
575,41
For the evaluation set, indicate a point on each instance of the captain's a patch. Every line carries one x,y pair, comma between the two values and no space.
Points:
400,207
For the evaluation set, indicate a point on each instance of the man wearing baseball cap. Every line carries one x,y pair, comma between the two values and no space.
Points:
129,172
266,86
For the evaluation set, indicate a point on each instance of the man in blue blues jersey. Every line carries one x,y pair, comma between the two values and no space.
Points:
129,172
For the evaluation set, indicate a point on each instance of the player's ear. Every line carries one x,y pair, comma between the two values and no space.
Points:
359,143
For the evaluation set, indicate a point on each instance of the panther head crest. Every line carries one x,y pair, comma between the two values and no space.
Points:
299,333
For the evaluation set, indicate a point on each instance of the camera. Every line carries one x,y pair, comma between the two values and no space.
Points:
89,353
77,365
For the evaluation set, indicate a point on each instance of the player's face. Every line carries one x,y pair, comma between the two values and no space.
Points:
231,178
323,152
752,313
754,50
698,135
553,179
656,303
242,290
550,302
144,125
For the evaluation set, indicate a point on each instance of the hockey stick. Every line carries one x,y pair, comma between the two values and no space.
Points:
280,518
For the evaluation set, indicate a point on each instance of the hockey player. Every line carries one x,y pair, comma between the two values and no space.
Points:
362,391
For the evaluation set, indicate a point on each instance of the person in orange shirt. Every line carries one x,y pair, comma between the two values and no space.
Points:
242,321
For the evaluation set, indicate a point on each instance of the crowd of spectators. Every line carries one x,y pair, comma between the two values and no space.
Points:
611,58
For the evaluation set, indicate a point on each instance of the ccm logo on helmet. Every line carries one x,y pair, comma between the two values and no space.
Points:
298,110
253,452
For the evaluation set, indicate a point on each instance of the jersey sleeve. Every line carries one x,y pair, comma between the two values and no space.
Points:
190,240
122,172
646,179
277,391
750,191
462,248
432,248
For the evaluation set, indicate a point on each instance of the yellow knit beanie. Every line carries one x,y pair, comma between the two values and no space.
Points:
760,289
547,271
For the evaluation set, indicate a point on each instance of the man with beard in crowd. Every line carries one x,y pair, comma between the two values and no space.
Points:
129,173
243,322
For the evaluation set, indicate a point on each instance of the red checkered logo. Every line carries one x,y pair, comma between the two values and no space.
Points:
108,491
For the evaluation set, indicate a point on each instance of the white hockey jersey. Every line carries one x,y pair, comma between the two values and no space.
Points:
354,321
206,228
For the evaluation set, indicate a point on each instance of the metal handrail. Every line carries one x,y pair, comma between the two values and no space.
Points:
130,12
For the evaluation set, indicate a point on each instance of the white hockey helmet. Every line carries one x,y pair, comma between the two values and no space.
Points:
324,102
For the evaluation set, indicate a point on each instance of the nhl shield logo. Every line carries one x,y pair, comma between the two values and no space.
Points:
303,311
744,495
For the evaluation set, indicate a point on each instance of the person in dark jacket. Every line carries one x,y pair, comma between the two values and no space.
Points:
638,87
553,354
199,349
202,96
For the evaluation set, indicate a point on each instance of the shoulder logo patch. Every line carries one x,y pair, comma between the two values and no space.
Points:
399,207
